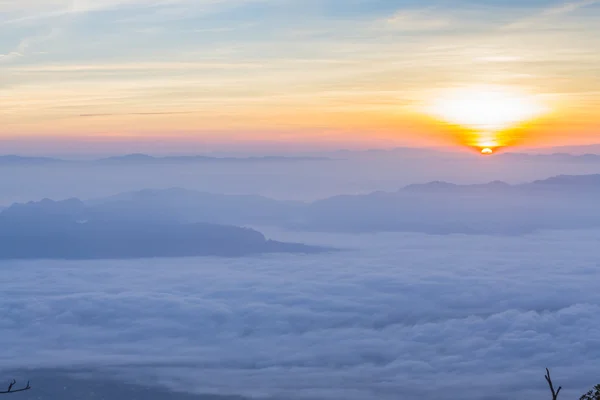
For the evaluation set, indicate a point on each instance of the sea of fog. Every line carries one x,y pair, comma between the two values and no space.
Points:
393,316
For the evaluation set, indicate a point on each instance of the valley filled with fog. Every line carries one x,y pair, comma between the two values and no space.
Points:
349,275
405,315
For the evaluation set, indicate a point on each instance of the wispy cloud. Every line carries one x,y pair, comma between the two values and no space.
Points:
140,66
498,59
417,20
569,7
26,44
10,56
31,11
550,13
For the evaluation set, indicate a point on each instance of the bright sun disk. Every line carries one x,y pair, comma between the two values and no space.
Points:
487,110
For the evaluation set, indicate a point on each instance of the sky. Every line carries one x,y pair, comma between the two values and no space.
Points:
337,73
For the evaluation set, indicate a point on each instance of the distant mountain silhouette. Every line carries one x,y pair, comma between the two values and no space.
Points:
19,160
562,202
581,149
554,157
438,186
129,158
146,159
579,182
71,230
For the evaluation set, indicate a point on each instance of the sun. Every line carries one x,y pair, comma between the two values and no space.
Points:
486,111
487,151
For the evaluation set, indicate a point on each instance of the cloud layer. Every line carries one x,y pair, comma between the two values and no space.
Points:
402,316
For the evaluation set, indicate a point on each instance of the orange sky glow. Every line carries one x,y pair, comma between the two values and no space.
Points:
396,75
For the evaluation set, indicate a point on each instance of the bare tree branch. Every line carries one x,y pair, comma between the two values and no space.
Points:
549,380
11,390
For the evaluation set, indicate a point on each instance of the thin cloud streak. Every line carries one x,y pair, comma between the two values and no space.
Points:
417,20
25,45
140,66
64,8
550,13
570,7
135,113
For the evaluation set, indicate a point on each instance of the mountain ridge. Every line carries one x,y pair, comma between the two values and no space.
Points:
145,159
70,229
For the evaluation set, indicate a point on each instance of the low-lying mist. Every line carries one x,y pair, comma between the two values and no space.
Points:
400,316
283,179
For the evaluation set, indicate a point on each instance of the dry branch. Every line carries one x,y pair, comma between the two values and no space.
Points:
11,390
549,380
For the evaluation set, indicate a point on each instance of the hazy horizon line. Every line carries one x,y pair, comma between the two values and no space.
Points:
106,148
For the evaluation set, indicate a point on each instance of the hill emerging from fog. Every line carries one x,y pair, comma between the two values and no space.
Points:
578,183
184,223
71,229
183,205
561,202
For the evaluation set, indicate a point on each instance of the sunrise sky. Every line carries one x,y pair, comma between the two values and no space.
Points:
326,72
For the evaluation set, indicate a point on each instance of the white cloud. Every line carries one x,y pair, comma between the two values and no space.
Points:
25,46
10,56
417,20
407,316
36,10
